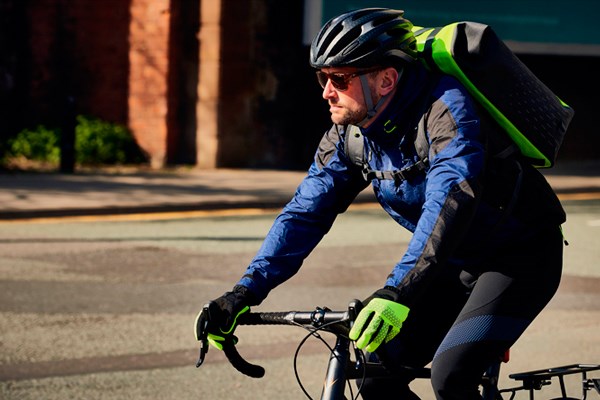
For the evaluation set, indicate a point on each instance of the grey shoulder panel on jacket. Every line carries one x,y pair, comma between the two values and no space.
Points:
441,126
327,146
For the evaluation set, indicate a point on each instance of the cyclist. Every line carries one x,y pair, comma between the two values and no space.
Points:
486,251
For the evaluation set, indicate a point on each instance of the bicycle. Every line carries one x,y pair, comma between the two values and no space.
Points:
342,368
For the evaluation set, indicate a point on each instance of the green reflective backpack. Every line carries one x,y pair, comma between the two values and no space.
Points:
534,117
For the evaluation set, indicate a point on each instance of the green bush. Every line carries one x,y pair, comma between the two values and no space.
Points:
96,142
101,142
39,144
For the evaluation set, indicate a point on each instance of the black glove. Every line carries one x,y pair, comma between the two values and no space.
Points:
223,318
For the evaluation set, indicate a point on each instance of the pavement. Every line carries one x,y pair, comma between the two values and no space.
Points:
26,195
104,312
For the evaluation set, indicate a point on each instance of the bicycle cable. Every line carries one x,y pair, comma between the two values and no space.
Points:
363,362
314,332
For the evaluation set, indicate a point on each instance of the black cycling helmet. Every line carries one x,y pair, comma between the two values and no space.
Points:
364,38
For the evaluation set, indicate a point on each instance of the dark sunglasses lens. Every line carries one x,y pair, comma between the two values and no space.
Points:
339,81
322,78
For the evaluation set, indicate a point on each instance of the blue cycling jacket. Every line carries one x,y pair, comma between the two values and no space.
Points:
465,207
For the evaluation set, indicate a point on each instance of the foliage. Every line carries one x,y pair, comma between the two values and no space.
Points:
101,142
97,142
40,144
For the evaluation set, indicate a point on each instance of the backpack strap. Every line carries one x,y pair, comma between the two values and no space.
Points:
354,147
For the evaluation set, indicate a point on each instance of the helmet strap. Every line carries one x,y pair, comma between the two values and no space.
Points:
372,109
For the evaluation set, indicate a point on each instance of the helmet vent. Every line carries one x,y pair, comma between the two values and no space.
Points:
347,43
384,19
360,13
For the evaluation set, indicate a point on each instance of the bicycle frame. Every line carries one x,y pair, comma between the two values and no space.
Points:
335,379
340,369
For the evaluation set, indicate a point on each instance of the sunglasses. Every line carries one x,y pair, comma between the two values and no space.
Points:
340,81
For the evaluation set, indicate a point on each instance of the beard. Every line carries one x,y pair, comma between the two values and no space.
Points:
346,116
351,113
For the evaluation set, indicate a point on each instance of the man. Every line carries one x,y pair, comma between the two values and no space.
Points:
486,252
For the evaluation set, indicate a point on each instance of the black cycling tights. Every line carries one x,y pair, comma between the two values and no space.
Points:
470,319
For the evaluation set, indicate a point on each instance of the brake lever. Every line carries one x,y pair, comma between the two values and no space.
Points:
202,323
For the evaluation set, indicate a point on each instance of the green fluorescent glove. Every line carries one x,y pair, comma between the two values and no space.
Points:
218,340
380,320
221,318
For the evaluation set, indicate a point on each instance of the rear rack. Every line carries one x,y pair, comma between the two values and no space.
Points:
535,380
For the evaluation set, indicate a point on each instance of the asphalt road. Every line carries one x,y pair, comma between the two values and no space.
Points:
104,309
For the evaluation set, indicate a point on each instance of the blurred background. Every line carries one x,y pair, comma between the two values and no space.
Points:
226,83
97,299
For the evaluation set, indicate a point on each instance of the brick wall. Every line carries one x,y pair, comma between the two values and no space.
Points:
148,59
141,63
271,114
109,56
78,49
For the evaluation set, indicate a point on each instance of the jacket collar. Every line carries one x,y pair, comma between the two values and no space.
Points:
401,110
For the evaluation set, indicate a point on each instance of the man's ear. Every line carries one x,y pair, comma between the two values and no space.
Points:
389,79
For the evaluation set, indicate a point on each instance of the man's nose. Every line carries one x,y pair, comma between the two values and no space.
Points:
328,90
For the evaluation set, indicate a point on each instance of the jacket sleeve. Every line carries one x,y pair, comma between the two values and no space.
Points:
452,191
328,189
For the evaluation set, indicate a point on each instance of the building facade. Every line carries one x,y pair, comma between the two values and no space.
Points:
209,83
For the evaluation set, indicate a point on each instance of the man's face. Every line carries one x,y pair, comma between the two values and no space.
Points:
346,106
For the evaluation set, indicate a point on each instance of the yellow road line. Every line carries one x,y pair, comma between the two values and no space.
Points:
158,216
580,196
147,216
